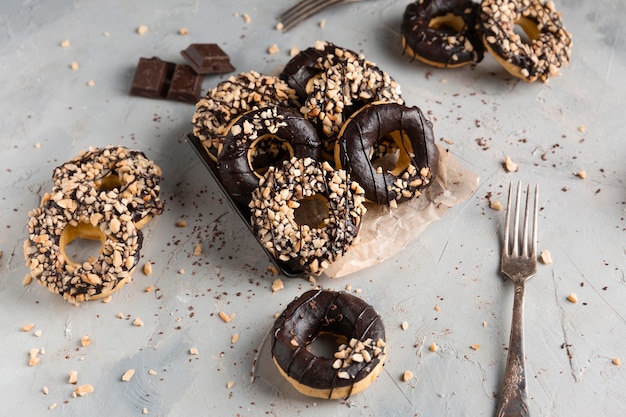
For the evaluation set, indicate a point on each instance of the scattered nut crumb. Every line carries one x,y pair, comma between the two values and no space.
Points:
277,285
197,250
107,299
616,361
137,322
433,347
509,165
85,341
348,287
65,43
404,325
147,269
27,327
120,315
272,270
279,26
475,346
128,375
91,83
437,308
45,390
73,378
149,288
144,410
183,31
495,205
194,351
230,384
181,223
84,390
74,66
581,174
152,372
273,49
181,271
323,23
37,333
407,376
246,18
581,128
294,51
27,279
33,359
142,29
572,298
52,406
545,257
234,339
357,290
484,324
225,317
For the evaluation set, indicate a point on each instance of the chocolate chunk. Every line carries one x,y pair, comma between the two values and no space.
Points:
155,78
207,58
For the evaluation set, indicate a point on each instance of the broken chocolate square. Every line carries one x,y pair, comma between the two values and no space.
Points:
155,78
207,58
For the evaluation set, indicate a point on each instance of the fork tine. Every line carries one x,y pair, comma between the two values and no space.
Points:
516,235
303,10
507,223
526,222
533,250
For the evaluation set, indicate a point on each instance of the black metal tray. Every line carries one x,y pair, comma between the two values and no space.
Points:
242,210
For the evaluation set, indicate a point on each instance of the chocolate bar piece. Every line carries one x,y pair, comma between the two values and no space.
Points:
207,58
155,78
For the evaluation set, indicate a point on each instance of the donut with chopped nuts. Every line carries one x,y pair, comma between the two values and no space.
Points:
120,173
261,138
360,352
392,181
233,97
58,221
442,33
548,44
306,214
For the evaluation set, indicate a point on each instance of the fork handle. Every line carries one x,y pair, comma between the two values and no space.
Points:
513,397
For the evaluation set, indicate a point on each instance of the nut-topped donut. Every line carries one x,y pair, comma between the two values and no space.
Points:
61,219
277,133
358,358
442,33
126,172
548,46
229,99
306,214
418,155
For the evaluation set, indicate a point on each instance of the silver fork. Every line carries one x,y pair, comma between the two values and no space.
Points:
305,9
519,263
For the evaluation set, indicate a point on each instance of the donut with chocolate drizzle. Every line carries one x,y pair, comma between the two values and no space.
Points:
121,173
418,154
547,46
261,138
306,214
442,33
358,358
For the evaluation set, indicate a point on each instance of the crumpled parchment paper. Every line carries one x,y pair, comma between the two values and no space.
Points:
386,231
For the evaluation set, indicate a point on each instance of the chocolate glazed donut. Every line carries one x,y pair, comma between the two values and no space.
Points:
442,33
418,158
235,162
354,365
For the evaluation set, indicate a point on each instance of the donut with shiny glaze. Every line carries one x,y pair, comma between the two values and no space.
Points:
358,358
442,33
548,44
284,127
417,159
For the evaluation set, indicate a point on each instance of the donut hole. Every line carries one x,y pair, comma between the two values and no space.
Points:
110,182
266,151
527,30
81,243
312,211
448,23
392,153
326,344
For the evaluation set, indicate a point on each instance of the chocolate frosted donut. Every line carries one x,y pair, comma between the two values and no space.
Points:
306,214
358,358
418,155
61,219
269,134
233,97
442,33
121,173
548,46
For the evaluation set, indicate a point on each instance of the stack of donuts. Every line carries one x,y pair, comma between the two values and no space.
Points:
453,33
307,149
106,195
